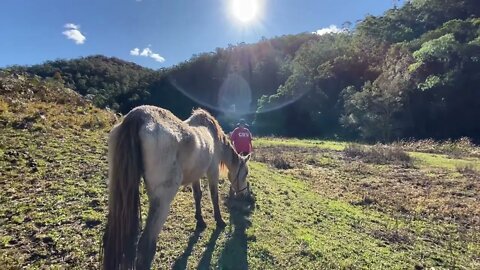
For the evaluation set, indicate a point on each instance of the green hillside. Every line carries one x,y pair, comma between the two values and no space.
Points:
318,204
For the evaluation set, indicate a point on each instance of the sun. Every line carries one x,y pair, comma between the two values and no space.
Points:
245,10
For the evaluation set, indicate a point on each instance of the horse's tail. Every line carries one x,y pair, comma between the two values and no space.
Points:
125,171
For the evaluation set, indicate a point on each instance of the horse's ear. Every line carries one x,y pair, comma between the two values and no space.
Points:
247,158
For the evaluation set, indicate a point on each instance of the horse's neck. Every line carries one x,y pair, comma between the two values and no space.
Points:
229,156
198,128
198,125
200,132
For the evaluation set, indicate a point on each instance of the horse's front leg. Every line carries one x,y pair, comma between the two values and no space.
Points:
197,195
213,185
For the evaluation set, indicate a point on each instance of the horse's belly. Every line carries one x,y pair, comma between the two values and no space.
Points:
190,177
195,168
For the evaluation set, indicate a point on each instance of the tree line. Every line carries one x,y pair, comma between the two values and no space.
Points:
413,72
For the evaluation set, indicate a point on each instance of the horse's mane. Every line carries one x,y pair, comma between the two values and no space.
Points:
204,118
200,116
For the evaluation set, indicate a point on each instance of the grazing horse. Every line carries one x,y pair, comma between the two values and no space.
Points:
153,143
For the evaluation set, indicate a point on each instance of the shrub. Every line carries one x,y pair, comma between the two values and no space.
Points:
458,148
379,154
468,170
280,163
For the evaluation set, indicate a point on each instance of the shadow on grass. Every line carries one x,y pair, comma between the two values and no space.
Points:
234,254
181,261
207,254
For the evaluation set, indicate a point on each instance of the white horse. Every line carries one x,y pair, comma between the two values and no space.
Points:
153,143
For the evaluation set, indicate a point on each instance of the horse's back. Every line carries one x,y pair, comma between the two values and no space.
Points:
167,140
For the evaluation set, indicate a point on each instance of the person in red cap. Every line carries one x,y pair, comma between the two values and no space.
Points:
242,138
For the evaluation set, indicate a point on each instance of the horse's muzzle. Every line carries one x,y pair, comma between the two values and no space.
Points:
241,195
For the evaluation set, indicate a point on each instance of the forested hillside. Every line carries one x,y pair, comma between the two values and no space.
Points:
413,72
107,81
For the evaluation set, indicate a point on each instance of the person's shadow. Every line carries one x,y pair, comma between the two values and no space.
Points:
234,254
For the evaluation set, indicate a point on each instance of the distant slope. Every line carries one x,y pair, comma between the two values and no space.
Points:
108,81
123,85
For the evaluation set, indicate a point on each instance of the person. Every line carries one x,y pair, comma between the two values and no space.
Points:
241,138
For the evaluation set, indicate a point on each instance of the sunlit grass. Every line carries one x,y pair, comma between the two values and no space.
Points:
325,210
443,161
421,159
272,141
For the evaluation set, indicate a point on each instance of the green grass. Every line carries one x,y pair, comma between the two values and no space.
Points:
316,215
303,230
324,144
424,160
443,161
55,217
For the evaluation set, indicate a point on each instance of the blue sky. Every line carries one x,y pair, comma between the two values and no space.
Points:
165,32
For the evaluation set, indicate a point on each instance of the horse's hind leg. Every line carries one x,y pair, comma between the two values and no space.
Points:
197,195
213,185
160,195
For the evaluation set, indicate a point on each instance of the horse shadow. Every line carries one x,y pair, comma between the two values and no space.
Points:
181,262
234,254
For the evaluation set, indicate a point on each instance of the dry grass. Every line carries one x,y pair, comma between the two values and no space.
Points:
25,87
378,154
383,178
281,163
285,157
463,147
470,172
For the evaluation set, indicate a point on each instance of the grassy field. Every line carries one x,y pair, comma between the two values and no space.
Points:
318,204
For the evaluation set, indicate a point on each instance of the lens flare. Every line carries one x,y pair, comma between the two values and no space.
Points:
235,97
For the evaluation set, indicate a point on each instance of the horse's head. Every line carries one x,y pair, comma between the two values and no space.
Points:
238,177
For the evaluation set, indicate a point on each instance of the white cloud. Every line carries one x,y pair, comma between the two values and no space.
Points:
147,52
73,33
157,57
72,26
135,51
331,29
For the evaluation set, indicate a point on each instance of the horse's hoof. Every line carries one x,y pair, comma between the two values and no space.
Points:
221,223
201,225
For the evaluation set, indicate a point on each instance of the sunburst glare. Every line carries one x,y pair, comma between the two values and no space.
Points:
245,10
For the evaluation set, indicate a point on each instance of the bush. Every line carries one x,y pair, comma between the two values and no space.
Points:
468,170
280,163
459,148
379,154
